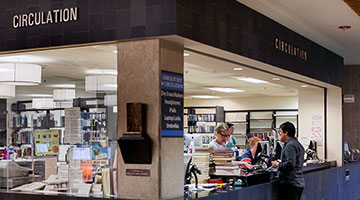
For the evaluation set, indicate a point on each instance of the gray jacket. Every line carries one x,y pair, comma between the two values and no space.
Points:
292,161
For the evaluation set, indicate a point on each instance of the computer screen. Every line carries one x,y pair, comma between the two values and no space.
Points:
265,147
196,137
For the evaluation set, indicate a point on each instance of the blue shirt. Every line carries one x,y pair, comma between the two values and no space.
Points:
247,157
231,143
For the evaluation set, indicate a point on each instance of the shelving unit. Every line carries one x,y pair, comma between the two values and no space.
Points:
203,120
24,121
260,123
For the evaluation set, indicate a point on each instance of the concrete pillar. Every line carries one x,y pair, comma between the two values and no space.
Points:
139,74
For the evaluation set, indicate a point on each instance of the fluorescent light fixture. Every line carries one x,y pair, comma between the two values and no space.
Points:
7,91
38,95
111,85
304,86
62,85
237,68
43,103
20,74
276,79
102,71
110,100
251,80
226,90
186,54
102,83
61,95
205,97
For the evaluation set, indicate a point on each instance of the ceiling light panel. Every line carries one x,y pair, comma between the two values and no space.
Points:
251,80
205,97
226,90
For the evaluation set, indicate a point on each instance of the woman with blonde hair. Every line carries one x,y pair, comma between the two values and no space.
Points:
222,134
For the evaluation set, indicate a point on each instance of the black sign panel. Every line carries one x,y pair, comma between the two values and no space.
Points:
172,104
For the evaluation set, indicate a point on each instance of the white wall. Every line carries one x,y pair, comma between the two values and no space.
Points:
334,125
311,104
248,103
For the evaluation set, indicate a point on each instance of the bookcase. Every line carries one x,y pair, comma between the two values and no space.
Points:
259,123
203,120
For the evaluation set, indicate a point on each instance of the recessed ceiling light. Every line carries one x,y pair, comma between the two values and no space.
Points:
186,54
237,68
102,71
304,86
251,80
111,85
62,85
38,95
226,90
276,79
205,97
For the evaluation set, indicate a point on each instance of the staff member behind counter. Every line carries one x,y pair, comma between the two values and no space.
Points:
250,155
222,136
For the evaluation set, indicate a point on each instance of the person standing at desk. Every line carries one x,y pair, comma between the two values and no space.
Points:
232,141
250,155
222,134
292,160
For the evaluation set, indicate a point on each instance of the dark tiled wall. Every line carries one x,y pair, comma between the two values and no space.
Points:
231,26
351,110
99,20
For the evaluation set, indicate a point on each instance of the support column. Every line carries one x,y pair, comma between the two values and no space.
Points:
139,75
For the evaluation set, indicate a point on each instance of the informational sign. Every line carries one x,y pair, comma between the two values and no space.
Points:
46,142
137,172
172,104
350,98
99,153
317,128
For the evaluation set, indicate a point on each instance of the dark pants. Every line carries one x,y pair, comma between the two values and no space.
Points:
288,192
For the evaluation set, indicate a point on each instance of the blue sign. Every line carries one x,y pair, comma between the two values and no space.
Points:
172,104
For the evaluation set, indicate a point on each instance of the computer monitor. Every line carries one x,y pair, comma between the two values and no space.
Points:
266,149
196,137
187,162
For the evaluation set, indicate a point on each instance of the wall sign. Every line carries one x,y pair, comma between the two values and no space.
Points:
41,18
172,104
350,98
290,49
137,172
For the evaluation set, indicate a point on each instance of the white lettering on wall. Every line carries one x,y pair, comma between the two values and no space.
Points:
48,17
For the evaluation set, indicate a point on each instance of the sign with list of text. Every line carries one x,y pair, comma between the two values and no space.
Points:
172,104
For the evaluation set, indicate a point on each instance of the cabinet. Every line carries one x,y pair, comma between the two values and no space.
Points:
203,120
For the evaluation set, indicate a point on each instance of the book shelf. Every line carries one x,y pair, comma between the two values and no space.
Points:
260,123
203,120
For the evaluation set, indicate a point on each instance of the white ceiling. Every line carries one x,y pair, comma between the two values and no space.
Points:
317,20
69,66
64,66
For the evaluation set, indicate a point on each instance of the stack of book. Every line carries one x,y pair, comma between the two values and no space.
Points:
222,159
201,158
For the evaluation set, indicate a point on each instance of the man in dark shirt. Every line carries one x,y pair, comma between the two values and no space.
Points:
291,164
